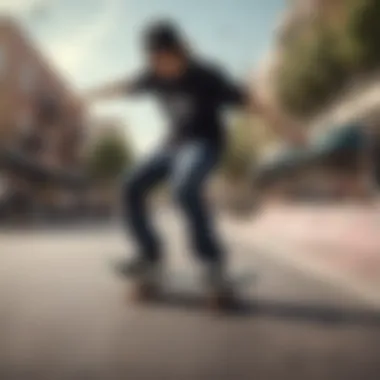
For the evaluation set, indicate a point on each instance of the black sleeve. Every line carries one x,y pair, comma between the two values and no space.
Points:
141,83
227,91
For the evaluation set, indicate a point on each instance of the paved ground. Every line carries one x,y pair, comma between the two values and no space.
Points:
63,315
343,242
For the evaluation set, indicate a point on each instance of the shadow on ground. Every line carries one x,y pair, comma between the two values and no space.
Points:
275,309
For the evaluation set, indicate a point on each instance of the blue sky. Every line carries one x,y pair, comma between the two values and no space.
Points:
94,40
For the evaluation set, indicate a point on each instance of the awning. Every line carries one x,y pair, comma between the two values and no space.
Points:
349,138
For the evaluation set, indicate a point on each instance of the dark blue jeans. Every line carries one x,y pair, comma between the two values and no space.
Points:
187,168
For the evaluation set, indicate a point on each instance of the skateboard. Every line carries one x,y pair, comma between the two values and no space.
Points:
187,290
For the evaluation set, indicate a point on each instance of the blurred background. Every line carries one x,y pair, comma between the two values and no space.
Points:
306,219
315,61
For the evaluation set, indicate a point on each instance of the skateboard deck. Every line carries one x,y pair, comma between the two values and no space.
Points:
187,290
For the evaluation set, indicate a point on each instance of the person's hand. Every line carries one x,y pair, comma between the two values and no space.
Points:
109,91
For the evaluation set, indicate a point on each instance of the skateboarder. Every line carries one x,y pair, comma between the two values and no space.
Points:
193,94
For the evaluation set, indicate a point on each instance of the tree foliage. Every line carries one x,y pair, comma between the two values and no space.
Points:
246,137
109,157
362,33
239,153
311,72
321,59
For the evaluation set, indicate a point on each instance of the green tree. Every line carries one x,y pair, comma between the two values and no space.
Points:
311,72
241,152
361,34
323,57
109,157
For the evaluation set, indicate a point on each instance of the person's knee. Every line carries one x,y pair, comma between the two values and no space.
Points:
186,194
131,190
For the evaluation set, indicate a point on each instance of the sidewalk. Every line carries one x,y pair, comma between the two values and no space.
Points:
343,240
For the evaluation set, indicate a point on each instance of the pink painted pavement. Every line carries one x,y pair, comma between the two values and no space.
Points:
346,238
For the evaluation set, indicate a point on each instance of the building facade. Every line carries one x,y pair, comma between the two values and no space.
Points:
40,116
35,100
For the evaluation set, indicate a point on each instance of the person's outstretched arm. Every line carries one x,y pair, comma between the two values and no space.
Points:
234,94
119,88
109,91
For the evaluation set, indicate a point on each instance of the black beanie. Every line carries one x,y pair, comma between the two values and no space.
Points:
163,35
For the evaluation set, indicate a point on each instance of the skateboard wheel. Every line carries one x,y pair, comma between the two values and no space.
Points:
143,292
222,301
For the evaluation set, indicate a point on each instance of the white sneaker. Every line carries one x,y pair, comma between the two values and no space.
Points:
215,278
141,269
